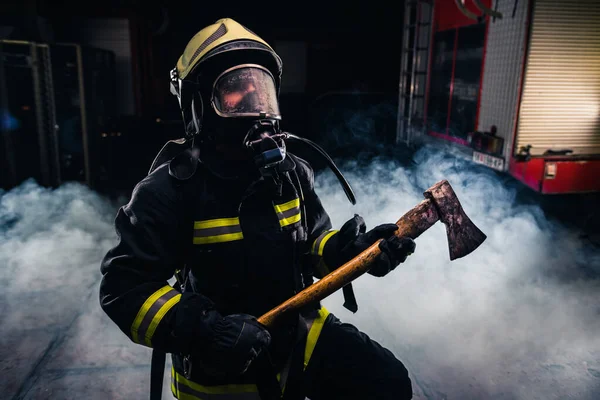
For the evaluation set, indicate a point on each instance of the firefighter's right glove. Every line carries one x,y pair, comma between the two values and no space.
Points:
221,346
235,342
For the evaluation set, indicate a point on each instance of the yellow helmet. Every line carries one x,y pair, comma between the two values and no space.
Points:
212,50
214,36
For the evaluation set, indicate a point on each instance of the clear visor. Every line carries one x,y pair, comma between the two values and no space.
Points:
246,91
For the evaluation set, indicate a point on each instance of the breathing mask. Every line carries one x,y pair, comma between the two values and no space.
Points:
245,99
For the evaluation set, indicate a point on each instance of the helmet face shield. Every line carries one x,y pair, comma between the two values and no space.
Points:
246,91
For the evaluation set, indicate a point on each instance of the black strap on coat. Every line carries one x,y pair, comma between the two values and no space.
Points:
295,385
266,379
269,388
157,373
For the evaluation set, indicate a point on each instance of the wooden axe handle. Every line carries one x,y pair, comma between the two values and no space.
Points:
412,224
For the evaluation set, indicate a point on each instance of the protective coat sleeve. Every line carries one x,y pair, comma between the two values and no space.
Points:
134,290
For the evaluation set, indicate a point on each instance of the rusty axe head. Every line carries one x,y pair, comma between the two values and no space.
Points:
463,235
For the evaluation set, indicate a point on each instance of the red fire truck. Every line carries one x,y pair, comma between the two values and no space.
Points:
515,83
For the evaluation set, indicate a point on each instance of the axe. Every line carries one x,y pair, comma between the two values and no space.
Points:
440,204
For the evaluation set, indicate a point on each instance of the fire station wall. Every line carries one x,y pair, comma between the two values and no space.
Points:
502,72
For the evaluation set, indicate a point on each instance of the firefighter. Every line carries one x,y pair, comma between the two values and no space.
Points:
235,217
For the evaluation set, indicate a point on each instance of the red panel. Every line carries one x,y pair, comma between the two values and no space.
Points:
530,173
449,16
573,177
570,176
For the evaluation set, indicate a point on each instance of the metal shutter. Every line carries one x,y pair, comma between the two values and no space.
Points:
560,106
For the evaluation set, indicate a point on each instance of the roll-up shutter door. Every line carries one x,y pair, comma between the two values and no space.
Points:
560,108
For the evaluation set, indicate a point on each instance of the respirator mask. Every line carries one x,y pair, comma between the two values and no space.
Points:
245,97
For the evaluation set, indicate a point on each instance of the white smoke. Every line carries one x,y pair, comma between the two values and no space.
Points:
519,318
56,342
516,319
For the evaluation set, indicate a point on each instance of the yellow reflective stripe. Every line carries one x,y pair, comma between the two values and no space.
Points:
216,223
217,230
228,237
173,388
144,309
183,396
291,220
287,206
313,334
289,212
221,389
158,317
324,241
184,389
319,243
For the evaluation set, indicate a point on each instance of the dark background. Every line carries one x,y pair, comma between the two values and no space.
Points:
340,62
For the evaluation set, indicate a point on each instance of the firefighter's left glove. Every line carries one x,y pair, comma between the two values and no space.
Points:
236,341
394,249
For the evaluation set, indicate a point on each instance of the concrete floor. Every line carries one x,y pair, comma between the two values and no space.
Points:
68,353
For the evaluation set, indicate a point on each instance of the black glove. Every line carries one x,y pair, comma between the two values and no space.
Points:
394,249
238,339
221,346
